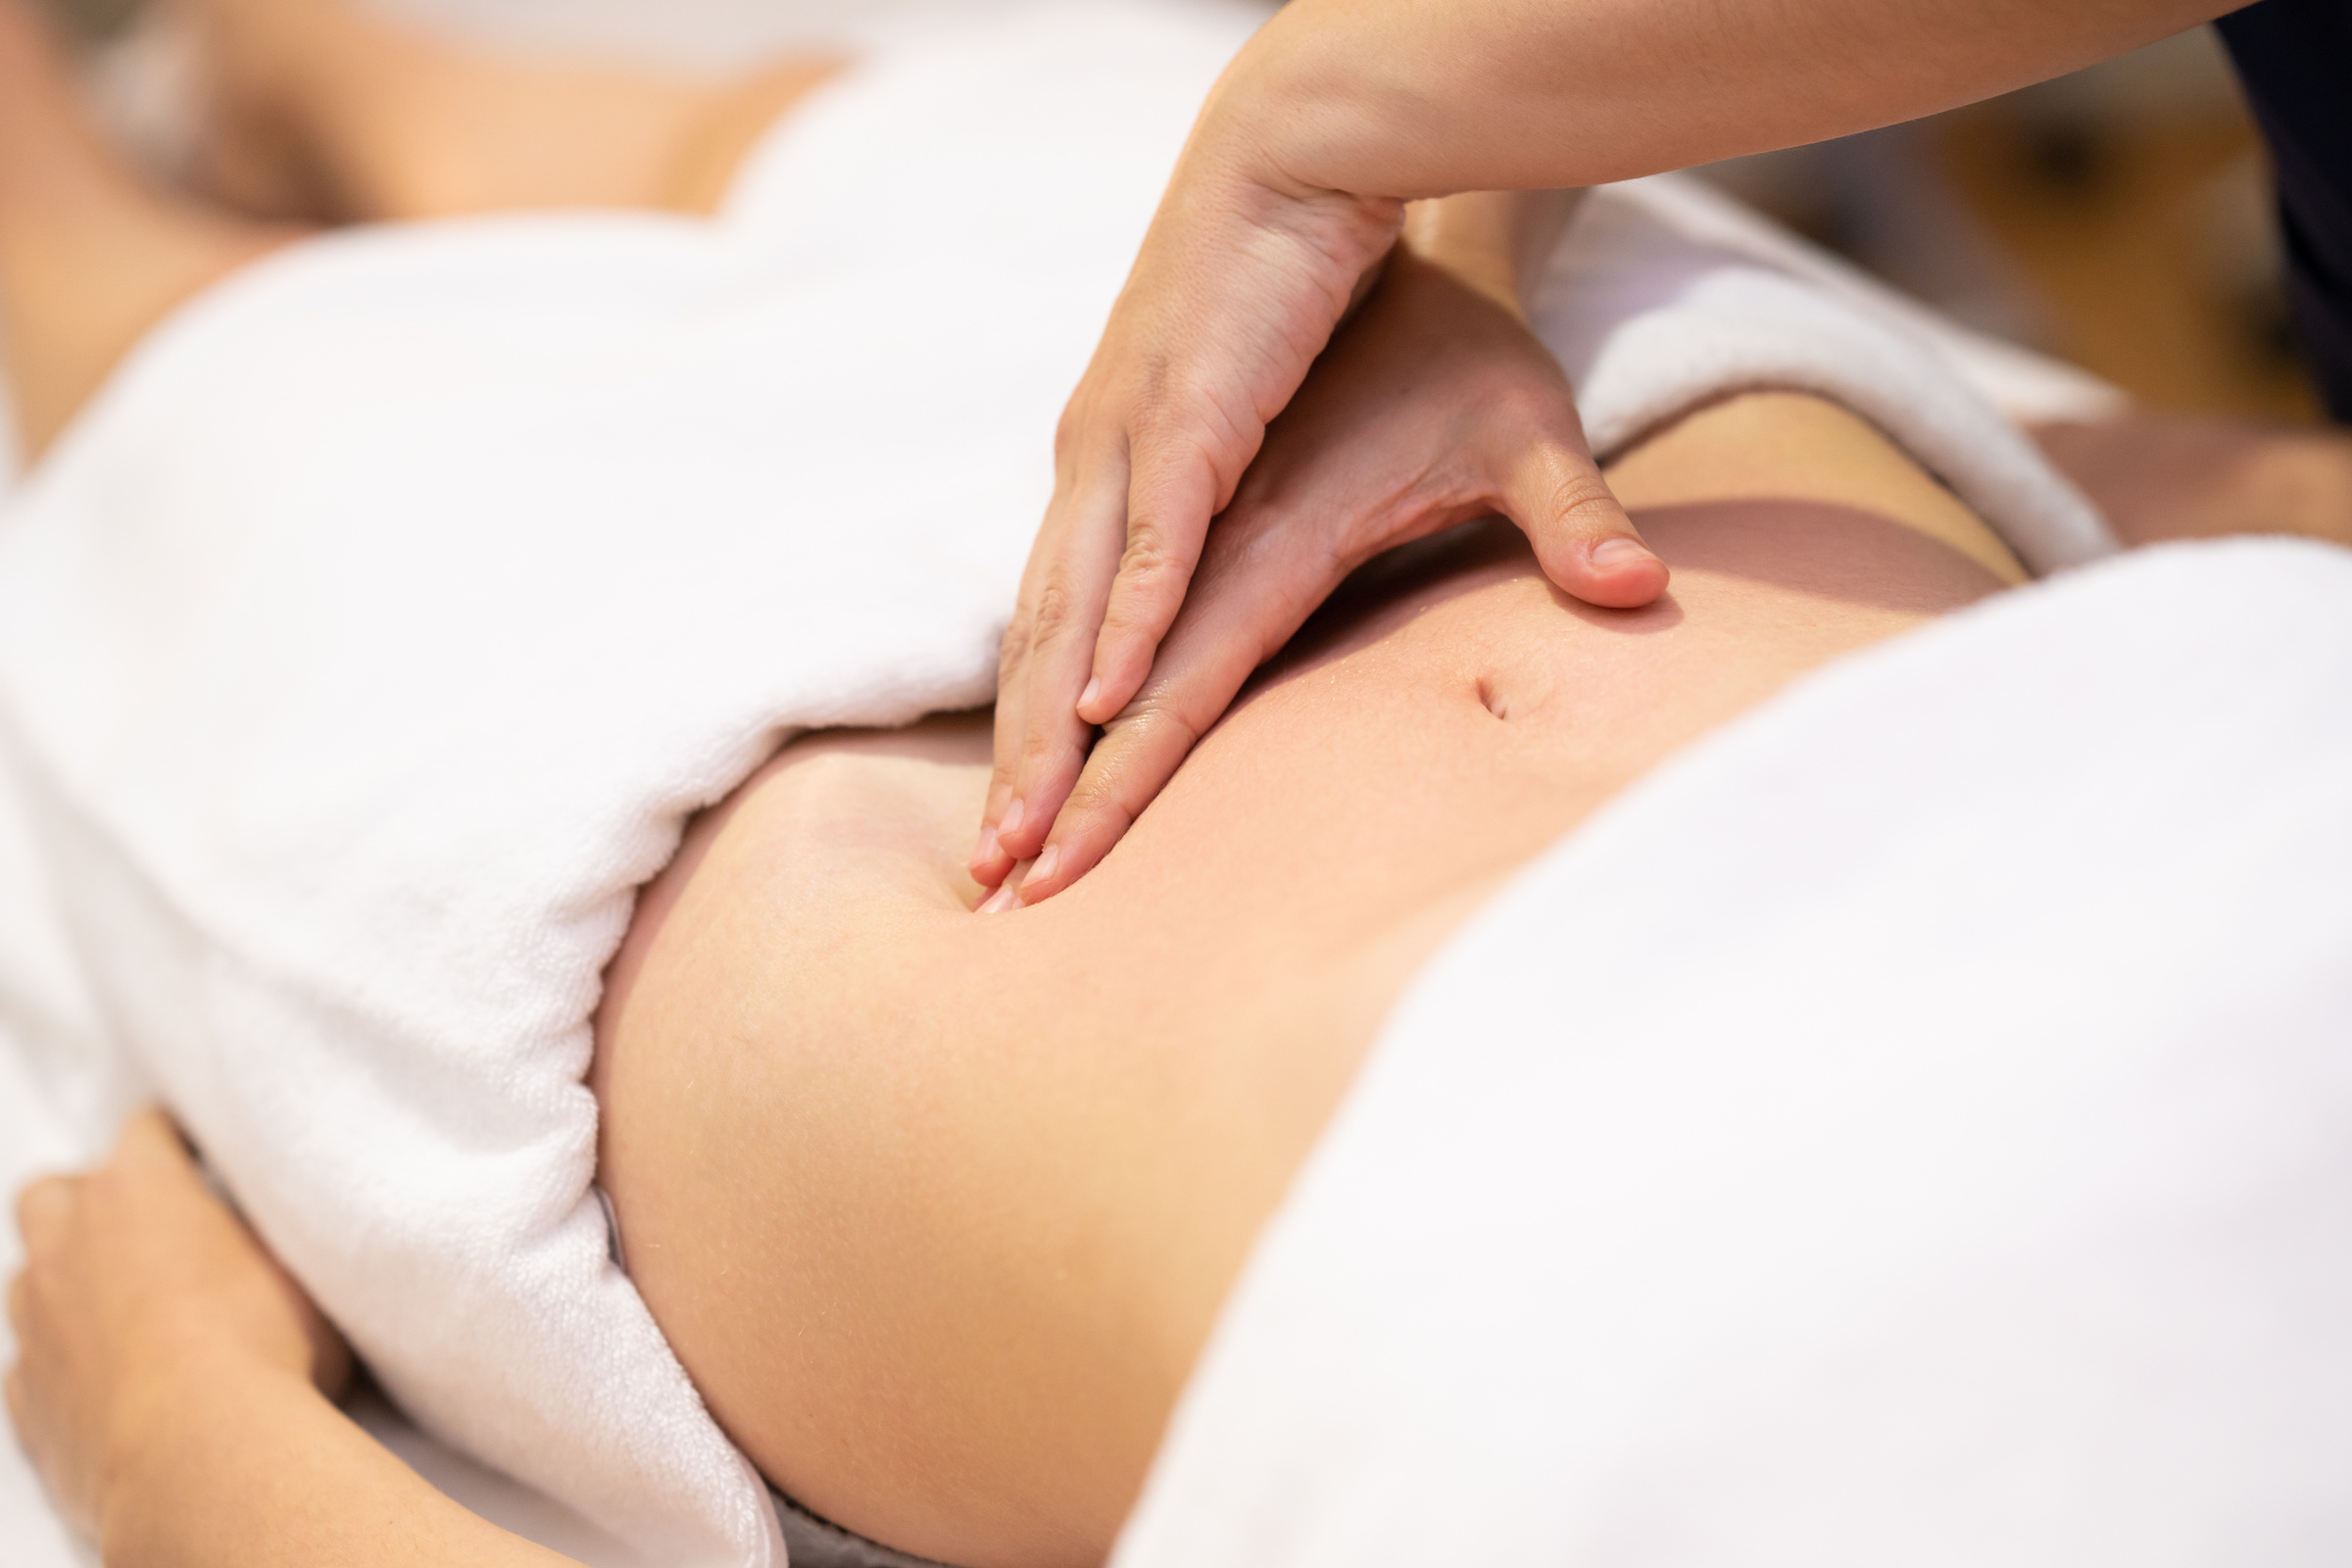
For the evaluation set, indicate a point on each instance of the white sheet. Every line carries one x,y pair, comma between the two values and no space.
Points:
1913,1127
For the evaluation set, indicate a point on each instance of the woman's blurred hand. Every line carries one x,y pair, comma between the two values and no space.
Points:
1433,404
134,1275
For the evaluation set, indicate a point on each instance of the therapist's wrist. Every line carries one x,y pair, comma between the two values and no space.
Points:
1396,100
1238,241
1299,113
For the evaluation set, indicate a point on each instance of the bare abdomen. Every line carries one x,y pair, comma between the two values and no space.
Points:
938,1209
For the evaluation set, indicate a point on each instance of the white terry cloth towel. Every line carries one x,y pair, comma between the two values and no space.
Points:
1912,1127
367,644
1664,294
2030,388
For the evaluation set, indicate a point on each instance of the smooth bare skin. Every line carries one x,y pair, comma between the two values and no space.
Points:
2161,476
1290,192
92,255
938,1211
325,113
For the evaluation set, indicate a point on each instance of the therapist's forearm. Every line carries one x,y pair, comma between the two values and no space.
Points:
1415,98
236,1464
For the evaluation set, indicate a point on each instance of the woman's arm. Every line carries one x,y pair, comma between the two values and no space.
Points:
172,1388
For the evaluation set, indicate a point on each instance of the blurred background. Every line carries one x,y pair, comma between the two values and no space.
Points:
2120,218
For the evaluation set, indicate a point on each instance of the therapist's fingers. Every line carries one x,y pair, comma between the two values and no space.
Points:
1042,743
1175,491
1436,406
1546,481
1263,574
990,864
1239,285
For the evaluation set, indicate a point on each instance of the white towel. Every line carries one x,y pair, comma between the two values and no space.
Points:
1661,297
1913,1127
365,646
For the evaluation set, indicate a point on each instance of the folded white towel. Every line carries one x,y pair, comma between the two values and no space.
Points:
1660,299
365,646
1914,1126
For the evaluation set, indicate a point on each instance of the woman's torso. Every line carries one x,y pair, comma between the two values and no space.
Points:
939,1209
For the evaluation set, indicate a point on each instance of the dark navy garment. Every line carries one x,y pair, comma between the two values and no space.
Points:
2295,57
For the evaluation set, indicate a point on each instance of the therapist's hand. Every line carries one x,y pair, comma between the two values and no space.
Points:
1235,290
1236,293
1432,406
136,1278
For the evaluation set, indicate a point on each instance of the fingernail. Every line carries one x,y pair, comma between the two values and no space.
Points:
1010,822
985,852
1044,868
1612,551
999,901
1086,698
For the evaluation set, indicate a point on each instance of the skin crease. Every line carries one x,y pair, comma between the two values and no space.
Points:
939,1211
1290,192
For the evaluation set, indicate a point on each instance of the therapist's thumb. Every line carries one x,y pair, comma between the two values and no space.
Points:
1583,540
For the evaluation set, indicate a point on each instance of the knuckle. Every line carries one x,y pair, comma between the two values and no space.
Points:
1147,555
1099,811
1144,613
1052,616
1184,433
1013,653
1082,424
1161,420
1164,722
1048,749
1579,495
